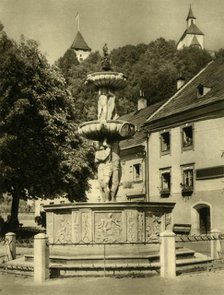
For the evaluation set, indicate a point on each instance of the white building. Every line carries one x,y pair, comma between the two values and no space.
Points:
186,151
192,36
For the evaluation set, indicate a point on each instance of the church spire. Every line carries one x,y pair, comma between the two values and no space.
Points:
190,14
191,19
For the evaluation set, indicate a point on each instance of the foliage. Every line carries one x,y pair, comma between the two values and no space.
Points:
41,154
152,68
41,219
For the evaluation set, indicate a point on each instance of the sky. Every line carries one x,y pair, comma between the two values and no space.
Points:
115,22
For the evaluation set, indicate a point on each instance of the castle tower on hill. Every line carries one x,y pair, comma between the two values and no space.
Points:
192,36
80,47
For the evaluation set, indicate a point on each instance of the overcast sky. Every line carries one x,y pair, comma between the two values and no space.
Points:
116,22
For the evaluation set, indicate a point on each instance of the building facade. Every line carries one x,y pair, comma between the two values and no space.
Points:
186,151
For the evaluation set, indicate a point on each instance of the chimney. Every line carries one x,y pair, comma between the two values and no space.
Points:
142,101
180,81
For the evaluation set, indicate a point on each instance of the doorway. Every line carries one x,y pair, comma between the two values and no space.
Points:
201,218
204,220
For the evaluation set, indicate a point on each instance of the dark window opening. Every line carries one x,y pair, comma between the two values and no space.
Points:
187,136
165,142
188,182
137,172
165,184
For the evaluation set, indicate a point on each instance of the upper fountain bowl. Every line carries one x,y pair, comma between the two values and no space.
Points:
111,80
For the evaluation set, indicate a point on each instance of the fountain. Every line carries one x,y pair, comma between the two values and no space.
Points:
107,130
110,221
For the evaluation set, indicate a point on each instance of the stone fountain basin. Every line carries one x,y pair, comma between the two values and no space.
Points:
112,80
120,222
112,130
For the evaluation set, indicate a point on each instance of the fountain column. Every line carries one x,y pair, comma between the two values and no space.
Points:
107,130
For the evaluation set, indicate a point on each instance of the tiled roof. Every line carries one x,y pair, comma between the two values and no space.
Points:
193,30
186,98
190,14
138,118
79,43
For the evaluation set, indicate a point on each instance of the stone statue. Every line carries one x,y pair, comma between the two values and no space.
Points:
105,62
112,114
105,50
109,169
116,170
106,106
102,106
104,161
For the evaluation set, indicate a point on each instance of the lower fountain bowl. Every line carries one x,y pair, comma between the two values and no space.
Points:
111,130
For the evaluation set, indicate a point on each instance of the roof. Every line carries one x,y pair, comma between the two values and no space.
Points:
138,118
190,14
195,42
79,43
193,30
186,99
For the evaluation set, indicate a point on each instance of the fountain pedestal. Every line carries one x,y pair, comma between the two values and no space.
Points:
93,223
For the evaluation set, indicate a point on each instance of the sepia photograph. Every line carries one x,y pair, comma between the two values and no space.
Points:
111,147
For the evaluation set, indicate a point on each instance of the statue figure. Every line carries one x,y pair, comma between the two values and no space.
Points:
109,169
106,106
105,50
112,114
105,62
102,105
116,170
103,159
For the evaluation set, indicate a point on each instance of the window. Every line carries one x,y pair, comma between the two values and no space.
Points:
187,180
137,172
187,137
202,90
165,183
165,142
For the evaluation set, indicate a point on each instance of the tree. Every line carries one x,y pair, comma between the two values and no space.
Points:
190,60
152,67
67,61
41,154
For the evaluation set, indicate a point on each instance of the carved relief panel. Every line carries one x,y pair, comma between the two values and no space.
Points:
131,225
152,225
86,231
141,227
76,226
108,227
63,228
168,221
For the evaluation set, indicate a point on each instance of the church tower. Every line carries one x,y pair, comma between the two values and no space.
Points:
192,36
80,47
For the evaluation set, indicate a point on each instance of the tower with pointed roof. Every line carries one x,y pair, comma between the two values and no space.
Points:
192,36
80,47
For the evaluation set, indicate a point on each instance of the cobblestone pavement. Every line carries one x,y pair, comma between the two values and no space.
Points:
211,283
